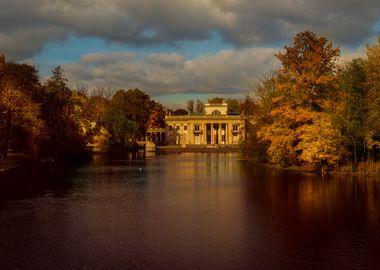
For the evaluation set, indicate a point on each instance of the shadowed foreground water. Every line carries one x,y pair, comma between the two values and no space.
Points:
188,211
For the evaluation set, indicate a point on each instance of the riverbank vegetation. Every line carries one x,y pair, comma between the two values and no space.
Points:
51,120
315,112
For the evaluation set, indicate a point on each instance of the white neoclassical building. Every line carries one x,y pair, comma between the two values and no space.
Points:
213,127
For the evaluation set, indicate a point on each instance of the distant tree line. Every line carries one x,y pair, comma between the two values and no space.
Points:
53,120
315,112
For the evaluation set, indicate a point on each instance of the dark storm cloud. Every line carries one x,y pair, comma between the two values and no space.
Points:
347,22
27,25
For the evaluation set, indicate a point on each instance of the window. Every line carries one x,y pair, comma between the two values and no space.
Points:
235,127
196,127
185,127
215,112
170,128
178,128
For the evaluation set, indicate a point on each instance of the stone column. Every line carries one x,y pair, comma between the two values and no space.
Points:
219,132
203,135
223,132
212,133
229,133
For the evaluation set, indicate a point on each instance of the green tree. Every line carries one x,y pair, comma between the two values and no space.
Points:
257,108
216,100
128,114
62,110
233,106
353,108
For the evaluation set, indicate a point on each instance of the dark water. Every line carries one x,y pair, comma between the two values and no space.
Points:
188,211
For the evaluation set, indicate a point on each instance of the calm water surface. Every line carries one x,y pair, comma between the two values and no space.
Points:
187,211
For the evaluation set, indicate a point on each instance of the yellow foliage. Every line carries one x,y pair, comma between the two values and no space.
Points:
320,141
101,140
301,130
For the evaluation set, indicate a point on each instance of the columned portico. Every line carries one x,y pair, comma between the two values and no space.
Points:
214,127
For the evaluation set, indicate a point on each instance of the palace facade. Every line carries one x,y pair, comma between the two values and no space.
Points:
214,127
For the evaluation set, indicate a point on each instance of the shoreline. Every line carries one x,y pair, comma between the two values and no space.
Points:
18,160
309,170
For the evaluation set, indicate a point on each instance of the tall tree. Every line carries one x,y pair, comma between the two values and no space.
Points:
128,114
306,89
353,113
257,108
61,110
372,73
19,113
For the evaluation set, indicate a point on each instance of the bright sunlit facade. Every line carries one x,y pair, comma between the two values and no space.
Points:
213,127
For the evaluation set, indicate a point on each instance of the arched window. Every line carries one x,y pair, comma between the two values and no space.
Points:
215,112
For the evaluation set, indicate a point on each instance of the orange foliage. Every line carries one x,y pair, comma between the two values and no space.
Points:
301,129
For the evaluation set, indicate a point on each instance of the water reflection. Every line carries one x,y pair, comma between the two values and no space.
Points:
316,222
187,211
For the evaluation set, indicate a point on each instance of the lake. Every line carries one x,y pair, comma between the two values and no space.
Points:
186,211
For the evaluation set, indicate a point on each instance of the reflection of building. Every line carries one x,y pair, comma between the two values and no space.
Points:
213,127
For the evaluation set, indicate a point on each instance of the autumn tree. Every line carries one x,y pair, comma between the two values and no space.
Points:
94,121
372,73
95,109
157,116
20,122
306,89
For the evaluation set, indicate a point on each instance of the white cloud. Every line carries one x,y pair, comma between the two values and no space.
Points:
227,72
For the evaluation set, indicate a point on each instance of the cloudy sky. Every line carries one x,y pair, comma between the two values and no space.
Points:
175,50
